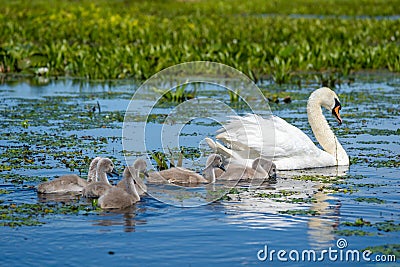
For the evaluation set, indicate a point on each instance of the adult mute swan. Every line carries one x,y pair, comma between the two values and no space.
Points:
287,146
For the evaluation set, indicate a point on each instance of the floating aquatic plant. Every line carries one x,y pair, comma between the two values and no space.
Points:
299,212
356,232
370,200
14,215
388,249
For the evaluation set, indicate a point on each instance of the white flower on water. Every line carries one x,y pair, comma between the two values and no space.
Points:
42,71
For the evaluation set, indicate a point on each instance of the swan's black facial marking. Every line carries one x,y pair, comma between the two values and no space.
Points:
222,167
335,111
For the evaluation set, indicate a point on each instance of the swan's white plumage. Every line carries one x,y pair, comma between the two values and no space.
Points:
287,146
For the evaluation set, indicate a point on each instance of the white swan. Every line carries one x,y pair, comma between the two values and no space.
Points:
287,146
70,183
96,189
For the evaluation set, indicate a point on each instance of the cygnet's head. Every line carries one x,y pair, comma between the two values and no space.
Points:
140,165
106,165
128,172
94,162
267,165
215,161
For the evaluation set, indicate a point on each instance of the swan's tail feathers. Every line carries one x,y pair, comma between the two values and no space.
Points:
219,148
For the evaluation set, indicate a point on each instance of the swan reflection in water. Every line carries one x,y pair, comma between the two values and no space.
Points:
121,217
247,209
66,198
118,217
254,209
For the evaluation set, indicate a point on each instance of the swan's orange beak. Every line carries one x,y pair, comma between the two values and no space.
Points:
335,111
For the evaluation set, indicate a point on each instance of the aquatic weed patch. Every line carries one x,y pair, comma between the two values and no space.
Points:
4,191
369,229
356,232
45,141
300,212
388,249
20,178
13,215
374,200
388,226
358,222
48,150
323,179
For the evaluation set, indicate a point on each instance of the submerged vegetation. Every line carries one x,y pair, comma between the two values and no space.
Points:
135,39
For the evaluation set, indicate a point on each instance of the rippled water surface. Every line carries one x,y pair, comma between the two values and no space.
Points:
54,129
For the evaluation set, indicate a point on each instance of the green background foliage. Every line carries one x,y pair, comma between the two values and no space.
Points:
135,39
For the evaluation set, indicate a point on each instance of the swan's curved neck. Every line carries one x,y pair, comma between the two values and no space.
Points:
261,170
92,173
131,187
209,174
102,176
139,181
323,133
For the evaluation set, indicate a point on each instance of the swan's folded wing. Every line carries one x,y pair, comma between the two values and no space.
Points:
271,137
290,141
242,135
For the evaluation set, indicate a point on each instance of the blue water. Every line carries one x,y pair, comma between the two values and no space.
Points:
225,232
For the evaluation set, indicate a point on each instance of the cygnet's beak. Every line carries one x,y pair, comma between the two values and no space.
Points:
272,173
146,173
222,167
114,172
